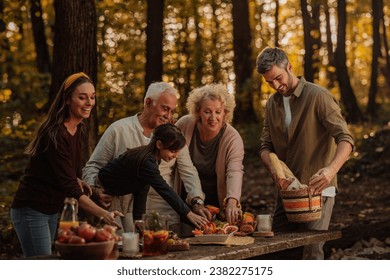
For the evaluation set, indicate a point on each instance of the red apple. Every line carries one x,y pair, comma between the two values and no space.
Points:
74,239
111,229
86,231
64,235
103,235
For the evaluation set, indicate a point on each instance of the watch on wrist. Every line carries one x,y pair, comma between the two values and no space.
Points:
197,201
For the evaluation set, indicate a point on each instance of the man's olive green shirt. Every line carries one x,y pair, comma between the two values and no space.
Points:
317,126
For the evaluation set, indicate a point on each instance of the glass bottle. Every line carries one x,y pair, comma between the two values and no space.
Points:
69,214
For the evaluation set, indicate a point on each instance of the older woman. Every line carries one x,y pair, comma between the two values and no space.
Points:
217,151
216,148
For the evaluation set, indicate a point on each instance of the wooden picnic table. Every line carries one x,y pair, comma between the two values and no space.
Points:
260,247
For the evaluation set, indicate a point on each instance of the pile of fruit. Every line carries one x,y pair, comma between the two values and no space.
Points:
218,224
86,233
247,224
177,244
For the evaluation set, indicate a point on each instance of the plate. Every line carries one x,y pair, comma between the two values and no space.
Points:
204,238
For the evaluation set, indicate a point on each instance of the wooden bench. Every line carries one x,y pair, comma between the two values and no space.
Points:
260,247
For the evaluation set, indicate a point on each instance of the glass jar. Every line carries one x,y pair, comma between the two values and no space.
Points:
155,234
69,214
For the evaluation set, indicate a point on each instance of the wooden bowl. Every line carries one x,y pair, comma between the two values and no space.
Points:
88,251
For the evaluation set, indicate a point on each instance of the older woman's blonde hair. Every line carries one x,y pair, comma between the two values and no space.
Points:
213,92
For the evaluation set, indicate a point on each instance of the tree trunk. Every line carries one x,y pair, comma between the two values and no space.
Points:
243,63
385,45
154,42
75,50
331,69
38,28
311,31
376,49
348,98
276,23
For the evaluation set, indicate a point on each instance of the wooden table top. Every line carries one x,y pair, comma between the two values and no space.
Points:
261,246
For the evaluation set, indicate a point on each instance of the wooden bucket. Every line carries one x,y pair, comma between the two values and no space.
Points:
301,206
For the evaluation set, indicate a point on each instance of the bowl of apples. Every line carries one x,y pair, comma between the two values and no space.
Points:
86,242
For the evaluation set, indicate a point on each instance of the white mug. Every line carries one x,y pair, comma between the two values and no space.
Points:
264,222
130,243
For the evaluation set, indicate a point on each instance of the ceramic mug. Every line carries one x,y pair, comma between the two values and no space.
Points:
264,222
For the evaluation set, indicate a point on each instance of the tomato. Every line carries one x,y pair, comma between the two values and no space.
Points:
86,231
74,239
230,229
64,235
103,235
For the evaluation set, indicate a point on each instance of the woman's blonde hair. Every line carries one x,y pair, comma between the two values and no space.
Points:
213,92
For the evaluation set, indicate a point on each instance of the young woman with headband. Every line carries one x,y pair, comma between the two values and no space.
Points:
52,173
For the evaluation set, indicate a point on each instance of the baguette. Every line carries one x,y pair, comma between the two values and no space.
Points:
287,172
277,166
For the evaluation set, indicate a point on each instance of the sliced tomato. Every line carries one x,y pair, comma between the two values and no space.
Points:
230,229
225,225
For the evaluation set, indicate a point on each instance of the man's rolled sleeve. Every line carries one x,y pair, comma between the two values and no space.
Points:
102,154
189,175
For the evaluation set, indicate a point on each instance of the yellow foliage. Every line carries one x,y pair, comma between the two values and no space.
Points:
6,131
5,95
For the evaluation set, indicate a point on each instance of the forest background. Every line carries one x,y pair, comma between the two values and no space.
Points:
125,45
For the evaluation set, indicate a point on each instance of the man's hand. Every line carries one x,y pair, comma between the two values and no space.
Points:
319,181
202,211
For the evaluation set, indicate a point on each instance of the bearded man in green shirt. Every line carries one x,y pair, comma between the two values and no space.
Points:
304,127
